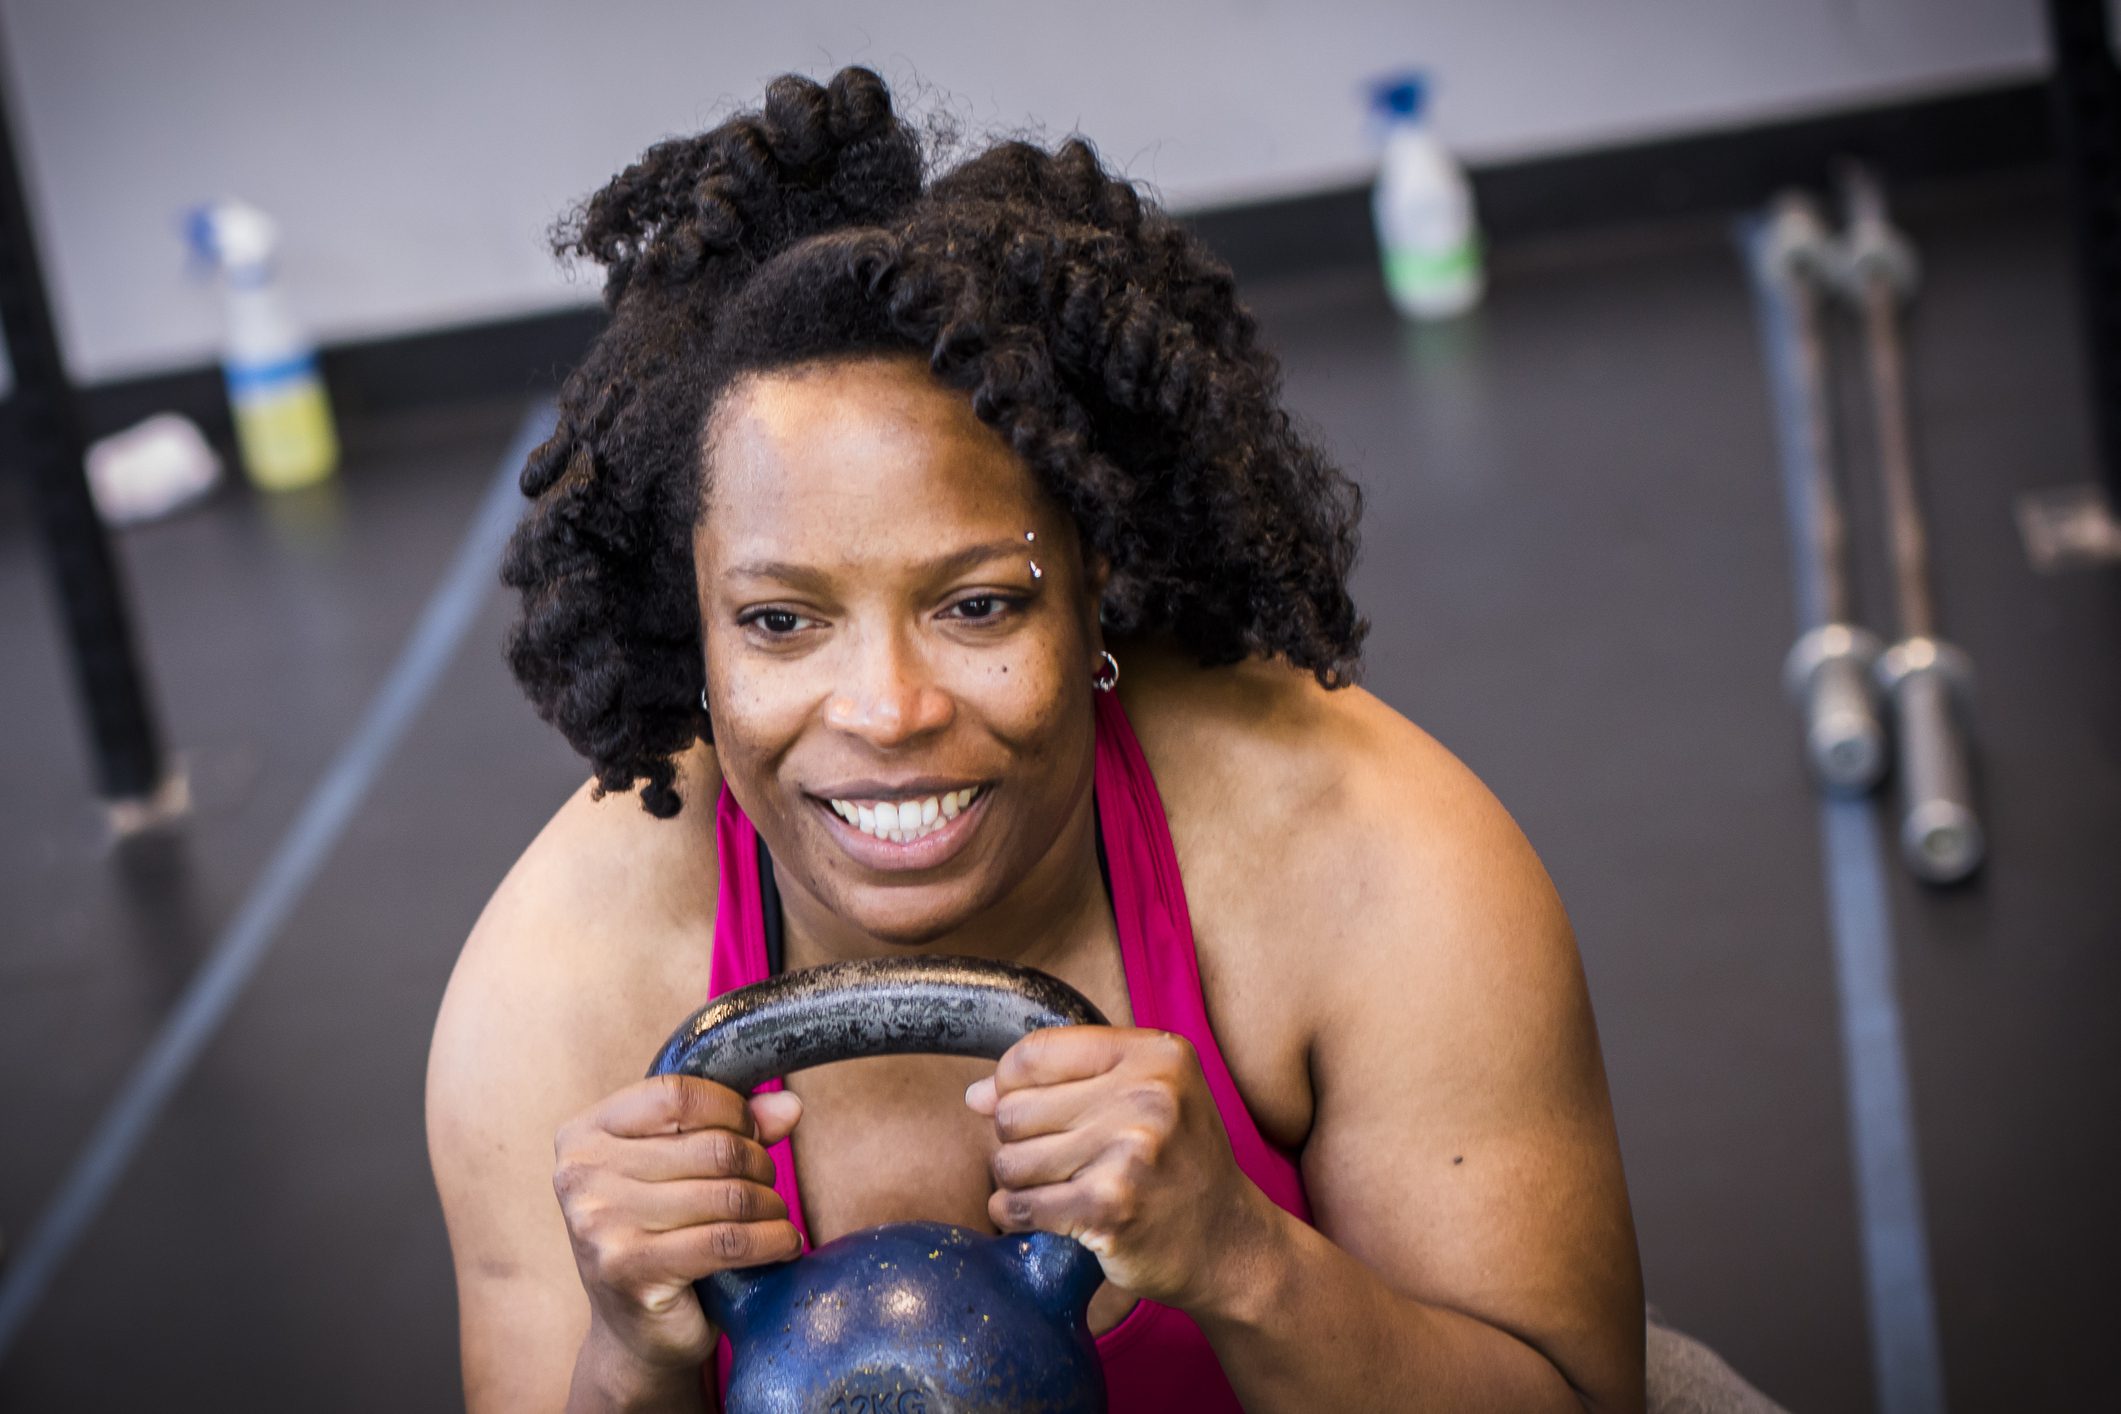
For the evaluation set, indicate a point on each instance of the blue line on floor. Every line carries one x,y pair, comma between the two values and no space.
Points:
1905,1360
302,852
1907,1365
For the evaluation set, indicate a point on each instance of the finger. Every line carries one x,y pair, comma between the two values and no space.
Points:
1047,1159
698,1153
698,1202
1096,1201
775,1114
1060,1053
693,1252
673,1104
1025,1114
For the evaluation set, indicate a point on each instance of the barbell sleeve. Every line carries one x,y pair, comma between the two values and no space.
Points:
1930,683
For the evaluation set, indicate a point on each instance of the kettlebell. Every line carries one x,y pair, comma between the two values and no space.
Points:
906,1318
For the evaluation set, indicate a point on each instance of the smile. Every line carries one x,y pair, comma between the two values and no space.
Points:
905,821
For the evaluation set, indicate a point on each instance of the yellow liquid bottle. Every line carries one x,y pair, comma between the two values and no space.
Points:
284,429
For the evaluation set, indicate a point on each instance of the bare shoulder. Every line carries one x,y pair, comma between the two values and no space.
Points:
1322,825
602,924
591,949
1404,981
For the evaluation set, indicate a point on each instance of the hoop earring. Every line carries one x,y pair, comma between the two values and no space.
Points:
1107,675
707,731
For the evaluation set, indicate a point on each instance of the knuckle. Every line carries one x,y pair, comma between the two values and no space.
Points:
1114,1197
1015,1065
1172,1050
724,1152
589,1221
672,1096
1141,1145
1156,1101
1007,1168
729,1242
1036,1050
737,1201
571,1177
1012,1117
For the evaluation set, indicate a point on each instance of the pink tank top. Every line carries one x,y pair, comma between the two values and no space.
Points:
1156,1358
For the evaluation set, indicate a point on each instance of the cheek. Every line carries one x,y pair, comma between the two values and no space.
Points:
1023,692
755,708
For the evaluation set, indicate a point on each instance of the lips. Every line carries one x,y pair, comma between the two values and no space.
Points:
904,820
915,839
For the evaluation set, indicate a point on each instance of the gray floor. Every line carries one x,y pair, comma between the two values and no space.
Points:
1577,569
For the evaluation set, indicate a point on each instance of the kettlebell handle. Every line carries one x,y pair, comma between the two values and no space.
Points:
949,1006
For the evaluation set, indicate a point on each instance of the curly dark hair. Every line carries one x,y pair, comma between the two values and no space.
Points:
1102,339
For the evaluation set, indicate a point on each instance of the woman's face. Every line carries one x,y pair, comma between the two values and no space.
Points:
900,633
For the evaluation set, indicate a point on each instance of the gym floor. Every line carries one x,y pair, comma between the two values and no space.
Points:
1578,571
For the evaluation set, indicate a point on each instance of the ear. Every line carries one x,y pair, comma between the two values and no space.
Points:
1097,573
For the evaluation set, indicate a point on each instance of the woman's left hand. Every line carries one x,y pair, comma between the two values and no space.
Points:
1110,1135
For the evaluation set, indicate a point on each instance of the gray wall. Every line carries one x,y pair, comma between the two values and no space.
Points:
416,150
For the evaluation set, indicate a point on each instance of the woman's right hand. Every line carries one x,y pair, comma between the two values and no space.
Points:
663,1183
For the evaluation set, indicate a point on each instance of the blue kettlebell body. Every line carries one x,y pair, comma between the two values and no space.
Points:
908,1318
914,1318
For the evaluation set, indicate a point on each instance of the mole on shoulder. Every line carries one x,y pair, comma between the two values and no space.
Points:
1459,1159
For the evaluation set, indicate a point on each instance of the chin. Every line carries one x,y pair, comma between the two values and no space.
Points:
903,923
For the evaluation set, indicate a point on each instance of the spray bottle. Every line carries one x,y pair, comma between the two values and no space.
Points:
1423,206
283,417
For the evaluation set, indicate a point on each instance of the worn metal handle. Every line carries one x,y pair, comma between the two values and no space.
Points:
953,1006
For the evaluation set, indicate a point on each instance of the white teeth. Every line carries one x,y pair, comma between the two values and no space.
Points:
902,822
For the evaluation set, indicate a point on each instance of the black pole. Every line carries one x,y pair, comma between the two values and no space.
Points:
2086,88
84,576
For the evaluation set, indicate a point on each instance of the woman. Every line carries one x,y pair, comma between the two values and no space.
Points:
932,558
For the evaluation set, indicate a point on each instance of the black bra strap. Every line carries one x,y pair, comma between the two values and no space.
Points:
770,912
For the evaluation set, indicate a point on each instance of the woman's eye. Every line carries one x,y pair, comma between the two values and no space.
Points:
980,608
777,623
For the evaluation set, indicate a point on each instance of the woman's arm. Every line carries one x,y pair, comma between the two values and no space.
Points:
494,1100
1463,1159
1474,1247
581,962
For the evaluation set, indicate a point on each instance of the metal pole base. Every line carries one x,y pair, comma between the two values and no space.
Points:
162,807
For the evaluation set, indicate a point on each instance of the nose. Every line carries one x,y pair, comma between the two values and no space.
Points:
888,696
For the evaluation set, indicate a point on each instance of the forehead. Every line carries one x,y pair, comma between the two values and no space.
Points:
874,455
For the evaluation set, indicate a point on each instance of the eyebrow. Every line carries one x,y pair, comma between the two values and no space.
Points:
942,567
